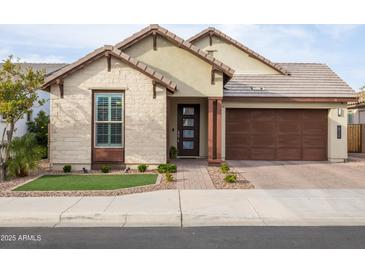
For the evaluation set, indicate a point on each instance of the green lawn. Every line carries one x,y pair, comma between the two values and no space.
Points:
87,182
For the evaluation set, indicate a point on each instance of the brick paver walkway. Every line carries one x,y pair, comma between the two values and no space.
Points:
193,174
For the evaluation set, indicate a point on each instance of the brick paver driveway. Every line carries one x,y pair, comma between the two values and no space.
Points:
291,174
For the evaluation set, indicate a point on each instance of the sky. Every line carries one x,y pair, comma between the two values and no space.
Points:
342,47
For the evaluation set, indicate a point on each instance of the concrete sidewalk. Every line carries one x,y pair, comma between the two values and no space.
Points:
307,207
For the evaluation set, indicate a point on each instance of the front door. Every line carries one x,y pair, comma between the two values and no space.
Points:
188,130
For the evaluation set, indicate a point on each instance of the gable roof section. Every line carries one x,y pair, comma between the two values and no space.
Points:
178,42
230,40
100,52
307,80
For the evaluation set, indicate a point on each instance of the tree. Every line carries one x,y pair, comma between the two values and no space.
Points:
40,128
18,86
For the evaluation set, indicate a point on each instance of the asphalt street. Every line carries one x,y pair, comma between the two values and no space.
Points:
194,237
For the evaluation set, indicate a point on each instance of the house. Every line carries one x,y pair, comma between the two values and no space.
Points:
356,110
210,97
21,127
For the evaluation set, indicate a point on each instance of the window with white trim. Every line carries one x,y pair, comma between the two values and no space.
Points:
109,119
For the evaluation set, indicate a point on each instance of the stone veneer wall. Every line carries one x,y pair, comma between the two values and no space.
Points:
145,117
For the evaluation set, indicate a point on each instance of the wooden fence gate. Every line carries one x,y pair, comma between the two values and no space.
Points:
355,134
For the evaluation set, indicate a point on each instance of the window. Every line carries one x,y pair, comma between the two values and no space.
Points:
109,120
350,117
339,132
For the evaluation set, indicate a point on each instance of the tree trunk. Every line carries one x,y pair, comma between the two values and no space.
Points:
2,172
4,158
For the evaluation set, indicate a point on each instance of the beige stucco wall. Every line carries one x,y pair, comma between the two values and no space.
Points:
191,74
232,56
145,117
172,122
337,148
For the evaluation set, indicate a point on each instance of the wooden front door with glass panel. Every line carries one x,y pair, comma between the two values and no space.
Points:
188,130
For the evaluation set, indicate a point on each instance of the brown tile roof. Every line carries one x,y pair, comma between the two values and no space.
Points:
306,80
46,67
360,102
158,77
242,47
178,41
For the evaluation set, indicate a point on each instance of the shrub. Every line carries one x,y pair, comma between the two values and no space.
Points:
169,177
142,168
224,168
173,152
67,168
25,155
105,168
164,168
231,178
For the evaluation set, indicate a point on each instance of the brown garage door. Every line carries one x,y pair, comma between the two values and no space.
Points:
276,134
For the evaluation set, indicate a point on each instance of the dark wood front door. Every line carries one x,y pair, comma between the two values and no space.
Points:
276,134
188,130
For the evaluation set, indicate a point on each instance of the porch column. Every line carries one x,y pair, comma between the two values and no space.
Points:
210,129
219,130
214,130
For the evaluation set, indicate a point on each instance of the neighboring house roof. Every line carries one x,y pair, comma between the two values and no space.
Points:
47,67
306,80
360,102
230,40
126,43
100,52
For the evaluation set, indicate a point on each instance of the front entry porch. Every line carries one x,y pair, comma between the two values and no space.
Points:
194,128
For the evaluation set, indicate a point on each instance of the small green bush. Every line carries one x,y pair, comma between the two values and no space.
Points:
25,155
142,168
169,177
224,168
105,168
173,152
164,168
67,168
231,178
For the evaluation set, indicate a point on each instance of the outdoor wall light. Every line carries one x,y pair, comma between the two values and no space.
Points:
340,112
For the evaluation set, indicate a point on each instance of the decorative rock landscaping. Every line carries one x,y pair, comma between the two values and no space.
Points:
218,180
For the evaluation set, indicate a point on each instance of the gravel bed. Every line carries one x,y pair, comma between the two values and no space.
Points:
219,183
7,186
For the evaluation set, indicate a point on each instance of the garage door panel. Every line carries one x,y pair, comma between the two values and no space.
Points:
285,127
262,127
276,134
289,140
313,141
288,115
237,153
238,125
262,140
262,153
289,154
315,114
314,154
261,115
239,138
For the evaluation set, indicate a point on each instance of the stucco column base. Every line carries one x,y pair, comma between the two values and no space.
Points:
214,162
